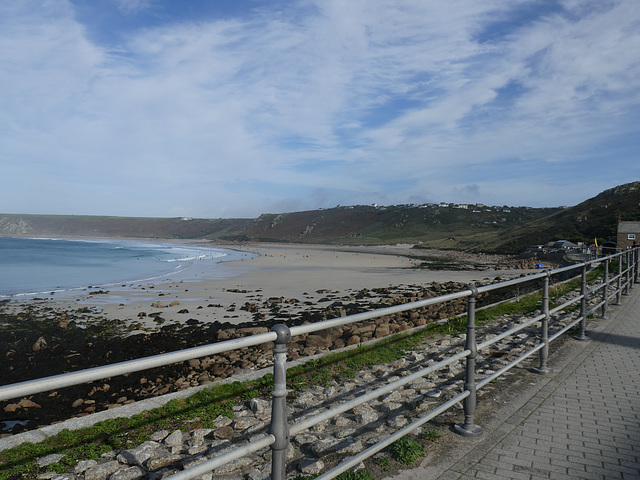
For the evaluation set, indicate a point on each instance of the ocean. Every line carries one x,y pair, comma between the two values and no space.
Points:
42,266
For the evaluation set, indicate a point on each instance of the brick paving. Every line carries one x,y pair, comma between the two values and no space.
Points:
584,423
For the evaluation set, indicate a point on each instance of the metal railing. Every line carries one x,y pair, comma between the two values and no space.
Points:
611,287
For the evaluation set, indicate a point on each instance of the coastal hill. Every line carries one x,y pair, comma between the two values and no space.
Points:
469,227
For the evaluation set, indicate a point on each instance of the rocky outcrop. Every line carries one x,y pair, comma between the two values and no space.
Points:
14,226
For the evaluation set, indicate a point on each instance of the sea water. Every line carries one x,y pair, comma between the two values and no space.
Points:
39,266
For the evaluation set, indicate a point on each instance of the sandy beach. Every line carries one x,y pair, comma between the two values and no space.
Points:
306,273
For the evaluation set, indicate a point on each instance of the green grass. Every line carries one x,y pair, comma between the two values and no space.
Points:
431,435
406,450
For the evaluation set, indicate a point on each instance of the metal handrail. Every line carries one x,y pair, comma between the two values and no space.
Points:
31,387
278,438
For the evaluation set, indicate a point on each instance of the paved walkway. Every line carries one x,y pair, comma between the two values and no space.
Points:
581,423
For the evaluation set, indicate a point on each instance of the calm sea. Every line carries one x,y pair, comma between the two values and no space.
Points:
33,266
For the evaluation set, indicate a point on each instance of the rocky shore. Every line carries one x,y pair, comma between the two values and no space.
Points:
41,342
321,448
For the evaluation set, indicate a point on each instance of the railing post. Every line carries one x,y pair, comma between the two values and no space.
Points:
627,268
631,267
279,424
619,283
582,336
605,289
635,265
469,428
543,369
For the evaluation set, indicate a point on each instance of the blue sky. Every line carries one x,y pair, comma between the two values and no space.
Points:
227,108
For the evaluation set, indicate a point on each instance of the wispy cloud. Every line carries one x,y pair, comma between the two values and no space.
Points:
309,104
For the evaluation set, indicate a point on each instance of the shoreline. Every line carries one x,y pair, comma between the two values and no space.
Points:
307,273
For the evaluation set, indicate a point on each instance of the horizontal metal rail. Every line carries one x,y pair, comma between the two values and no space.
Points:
224,458
510,283
566,304
596,307
358,317
566,328
509,332
31,387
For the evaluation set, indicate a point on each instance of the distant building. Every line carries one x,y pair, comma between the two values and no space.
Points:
628,234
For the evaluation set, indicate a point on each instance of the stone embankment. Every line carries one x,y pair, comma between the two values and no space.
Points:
325,444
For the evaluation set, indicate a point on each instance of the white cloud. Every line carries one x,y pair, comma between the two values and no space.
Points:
357,100
133,6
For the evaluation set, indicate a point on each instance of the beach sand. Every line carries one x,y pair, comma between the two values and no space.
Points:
306,273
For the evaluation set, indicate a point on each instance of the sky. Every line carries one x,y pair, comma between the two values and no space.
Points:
229,108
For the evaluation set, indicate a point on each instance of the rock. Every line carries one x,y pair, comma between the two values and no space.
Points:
365,414
305,438
84,465
50,459
139,454
398,422
324,446
175,303
341,421
252,331
350,446
26,403
192,462
39,344
160,474
317,341
131,473
311,466
198,436
394,396
346,432
159,435
194,363
259,406
175,439
244,423
391,406
102,471
63,476
222,421
223,433
382,331
162,460
354,340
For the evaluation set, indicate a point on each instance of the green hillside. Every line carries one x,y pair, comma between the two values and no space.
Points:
459,227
